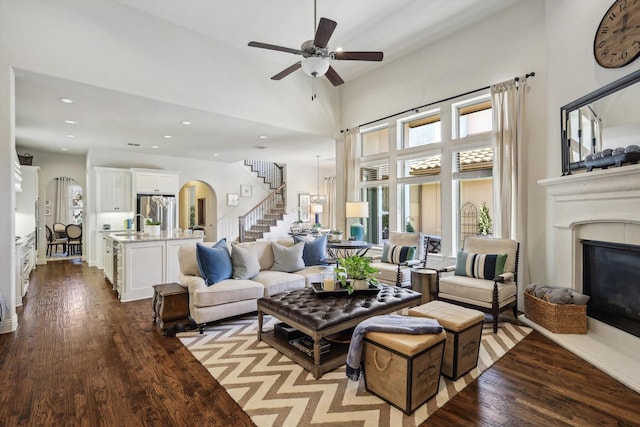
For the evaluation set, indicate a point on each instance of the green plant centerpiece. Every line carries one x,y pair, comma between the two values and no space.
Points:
484,220
149,222
354,269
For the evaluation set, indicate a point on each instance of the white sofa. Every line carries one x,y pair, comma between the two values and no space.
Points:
233,297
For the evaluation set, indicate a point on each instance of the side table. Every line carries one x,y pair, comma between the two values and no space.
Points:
423,280
170,304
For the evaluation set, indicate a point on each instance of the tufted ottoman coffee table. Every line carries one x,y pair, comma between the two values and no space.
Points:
320,317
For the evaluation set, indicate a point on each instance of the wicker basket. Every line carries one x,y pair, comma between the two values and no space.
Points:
557,318
25,159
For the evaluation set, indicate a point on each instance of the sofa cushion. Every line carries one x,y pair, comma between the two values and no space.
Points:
188,260
287,259
214,262
276,282
226,291
245,261
475,291
315,250
388,273
480,266
397,254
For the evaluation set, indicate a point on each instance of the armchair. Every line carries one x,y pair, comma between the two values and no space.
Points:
483,277
396,268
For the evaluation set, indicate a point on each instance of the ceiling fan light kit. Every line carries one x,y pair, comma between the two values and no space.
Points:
316,55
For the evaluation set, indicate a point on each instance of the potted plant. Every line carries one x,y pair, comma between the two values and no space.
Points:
335,235
355,272
484,220
152,227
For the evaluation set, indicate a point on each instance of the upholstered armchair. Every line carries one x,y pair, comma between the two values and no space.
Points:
485,277
402,252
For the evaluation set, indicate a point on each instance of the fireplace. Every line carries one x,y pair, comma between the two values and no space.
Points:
611,277
600,206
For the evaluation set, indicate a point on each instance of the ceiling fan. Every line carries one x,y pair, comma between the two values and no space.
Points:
316,55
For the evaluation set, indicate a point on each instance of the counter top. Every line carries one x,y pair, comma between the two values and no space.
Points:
131,237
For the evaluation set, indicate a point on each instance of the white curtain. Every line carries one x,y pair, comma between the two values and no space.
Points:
63,205
330,191
509,186
352,164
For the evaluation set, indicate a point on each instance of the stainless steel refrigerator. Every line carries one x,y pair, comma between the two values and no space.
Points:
157,208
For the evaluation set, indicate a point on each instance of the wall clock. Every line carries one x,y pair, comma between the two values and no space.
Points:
617,41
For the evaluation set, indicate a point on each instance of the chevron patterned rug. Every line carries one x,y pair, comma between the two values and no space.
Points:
275,391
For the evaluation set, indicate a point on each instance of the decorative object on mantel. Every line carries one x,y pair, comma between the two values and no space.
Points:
25,159
616,157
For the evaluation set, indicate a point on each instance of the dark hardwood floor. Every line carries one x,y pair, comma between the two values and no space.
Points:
82,358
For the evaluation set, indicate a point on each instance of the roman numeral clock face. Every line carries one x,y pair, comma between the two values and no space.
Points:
617,42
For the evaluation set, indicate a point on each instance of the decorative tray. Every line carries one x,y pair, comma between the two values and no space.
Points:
373,289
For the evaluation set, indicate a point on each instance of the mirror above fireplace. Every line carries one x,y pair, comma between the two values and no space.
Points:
602,129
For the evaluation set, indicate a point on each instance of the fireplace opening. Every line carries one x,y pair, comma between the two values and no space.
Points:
611,277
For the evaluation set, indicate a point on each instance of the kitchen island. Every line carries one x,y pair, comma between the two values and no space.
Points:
140,261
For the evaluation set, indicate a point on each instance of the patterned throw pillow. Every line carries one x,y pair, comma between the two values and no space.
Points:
393,254
214,262
480,266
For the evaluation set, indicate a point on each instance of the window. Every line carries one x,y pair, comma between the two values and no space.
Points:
423,130
377,172
375,141
473,116
377,225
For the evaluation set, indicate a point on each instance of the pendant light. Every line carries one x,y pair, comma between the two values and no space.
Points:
318,199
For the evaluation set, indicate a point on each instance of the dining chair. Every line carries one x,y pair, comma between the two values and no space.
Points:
74,239
54,242
59,230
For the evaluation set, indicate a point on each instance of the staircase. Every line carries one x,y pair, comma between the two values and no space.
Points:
266,214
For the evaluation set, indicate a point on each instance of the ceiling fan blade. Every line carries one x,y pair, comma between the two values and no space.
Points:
287,71
358,56
324,32
333,77
274,47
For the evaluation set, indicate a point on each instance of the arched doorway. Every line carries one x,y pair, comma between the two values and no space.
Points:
63,205
198,206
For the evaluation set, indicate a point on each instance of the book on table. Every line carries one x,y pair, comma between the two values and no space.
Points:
305,344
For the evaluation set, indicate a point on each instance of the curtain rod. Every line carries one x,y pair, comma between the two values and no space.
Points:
531,74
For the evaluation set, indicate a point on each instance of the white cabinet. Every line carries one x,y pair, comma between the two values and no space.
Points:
25,263
114,190
26,202
108,259
152,182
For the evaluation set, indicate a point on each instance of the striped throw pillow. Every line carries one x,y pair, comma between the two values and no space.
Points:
480,266
393,254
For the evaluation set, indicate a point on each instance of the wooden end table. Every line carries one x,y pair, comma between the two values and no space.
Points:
170,304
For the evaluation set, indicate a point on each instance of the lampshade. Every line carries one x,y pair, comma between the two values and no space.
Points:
316,208
357,210
315,66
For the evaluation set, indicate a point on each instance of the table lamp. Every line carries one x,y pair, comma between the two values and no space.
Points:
357,210
316,208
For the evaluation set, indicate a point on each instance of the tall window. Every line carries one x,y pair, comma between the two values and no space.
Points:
375,141
440,167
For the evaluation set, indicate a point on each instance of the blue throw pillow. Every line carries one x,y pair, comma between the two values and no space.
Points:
480,266
214,262
315,251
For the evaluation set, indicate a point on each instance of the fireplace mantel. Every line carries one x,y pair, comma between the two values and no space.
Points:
598,205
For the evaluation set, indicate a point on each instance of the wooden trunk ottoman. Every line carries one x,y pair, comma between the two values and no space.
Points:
464,332
403,369
170,304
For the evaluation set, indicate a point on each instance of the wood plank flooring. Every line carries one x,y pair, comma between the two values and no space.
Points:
82,358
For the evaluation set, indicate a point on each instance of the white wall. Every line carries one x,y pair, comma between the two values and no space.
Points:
572,73
508,45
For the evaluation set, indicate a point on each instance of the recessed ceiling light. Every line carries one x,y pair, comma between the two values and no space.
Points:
67,100
260,147
64,149
216,154
71,122
168,136
263,136
71,136
155,146
184,122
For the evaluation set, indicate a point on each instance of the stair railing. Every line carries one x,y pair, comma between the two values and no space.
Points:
270,204
271,173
